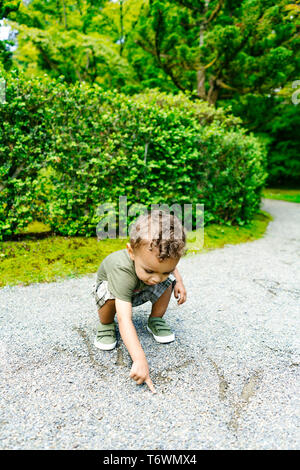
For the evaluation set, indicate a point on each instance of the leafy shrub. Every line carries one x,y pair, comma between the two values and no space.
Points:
284,150
275,120
23,148
153,148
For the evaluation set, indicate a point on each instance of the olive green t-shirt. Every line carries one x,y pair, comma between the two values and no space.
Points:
119,271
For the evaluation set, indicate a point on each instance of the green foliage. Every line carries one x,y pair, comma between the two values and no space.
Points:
76,41
218,49
284,149
233,53
5,56
290,195
8,8
53,258
276,121
22,151
76,147
201,110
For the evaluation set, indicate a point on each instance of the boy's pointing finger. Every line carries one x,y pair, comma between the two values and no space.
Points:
150,385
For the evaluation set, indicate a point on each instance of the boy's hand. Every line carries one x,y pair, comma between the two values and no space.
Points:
179,290
140,373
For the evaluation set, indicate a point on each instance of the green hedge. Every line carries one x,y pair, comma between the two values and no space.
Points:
23,149
80,146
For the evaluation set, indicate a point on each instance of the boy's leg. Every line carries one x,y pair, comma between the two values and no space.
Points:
107,312
160,306
156,324
106,333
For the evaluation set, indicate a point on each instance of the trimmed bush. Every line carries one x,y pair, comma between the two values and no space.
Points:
153,148
23,150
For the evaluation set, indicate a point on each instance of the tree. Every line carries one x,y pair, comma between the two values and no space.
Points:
238,54
217,49
81,40
8,9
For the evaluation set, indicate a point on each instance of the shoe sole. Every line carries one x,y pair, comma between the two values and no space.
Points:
162,339
105,347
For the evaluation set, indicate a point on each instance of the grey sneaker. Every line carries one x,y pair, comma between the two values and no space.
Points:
160,330
106,337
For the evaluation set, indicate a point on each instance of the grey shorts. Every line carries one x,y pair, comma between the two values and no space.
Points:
101,292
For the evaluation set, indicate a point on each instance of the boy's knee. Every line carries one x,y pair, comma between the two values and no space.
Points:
167,291
109,305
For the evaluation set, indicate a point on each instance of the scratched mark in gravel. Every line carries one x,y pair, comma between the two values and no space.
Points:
229,381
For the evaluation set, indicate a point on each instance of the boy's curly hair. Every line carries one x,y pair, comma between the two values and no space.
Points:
163,230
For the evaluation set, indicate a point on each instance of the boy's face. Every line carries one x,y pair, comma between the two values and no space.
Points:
148,267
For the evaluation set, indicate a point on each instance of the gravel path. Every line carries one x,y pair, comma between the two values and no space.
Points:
229,381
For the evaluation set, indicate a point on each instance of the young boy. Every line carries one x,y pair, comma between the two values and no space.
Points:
145,270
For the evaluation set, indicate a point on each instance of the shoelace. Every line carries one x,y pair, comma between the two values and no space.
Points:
160,325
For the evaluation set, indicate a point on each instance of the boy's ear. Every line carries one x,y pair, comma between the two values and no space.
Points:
129,249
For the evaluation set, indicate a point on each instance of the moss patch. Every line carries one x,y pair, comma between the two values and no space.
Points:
217,236
54,258
290,195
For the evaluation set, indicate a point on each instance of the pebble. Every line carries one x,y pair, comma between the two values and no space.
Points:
229,381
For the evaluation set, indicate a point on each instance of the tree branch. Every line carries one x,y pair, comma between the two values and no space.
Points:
14,175
189,4
163,65
215,12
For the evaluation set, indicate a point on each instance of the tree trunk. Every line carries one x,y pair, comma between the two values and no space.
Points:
201,71
213,91
121,27
201,83
65,15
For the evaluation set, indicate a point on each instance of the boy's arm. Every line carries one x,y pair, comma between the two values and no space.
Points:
177,275
139,370
179,289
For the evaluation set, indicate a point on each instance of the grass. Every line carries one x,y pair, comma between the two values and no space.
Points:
290,195
42,257
218,236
